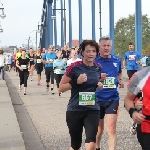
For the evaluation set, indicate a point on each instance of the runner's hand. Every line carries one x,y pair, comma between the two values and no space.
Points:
103,76
82,78
121,84
21,68
137,117
100,85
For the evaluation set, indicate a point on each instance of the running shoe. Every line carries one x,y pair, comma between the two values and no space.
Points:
25,93
52,91
47,89
38,83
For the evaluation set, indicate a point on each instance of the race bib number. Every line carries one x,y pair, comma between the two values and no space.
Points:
24,66
31,59
109,82
38,61
52,60
57,71
132,57
86,98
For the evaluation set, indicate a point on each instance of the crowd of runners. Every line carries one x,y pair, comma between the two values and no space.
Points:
93,75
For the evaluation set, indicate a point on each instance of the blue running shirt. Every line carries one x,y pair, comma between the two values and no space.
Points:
131,59
112,67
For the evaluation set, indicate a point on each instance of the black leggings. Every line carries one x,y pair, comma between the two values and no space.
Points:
49,74
39,68
23,77
75,122
58,79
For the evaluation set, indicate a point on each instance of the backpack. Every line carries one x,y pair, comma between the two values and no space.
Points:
148,61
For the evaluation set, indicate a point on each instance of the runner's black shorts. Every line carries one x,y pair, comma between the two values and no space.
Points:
108,107
76,120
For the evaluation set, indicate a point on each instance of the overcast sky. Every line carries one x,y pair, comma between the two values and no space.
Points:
22,17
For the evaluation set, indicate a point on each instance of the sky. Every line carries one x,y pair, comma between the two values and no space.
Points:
22,17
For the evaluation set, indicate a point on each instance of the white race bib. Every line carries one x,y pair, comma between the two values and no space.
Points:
132,57
24,66
57,71
86,98
38,61
109,82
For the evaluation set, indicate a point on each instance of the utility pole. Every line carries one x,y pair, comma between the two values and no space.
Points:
64,23
36,40
100,28
28,42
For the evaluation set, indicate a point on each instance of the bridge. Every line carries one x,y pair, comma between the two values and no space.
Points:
49,24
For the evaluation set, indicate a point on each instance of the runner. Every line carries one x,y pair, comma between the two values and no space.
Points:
48,59
15,57
108,97
39,65
140,82
31,57
23,64
83,110
59,66
131,61
2,62
74,57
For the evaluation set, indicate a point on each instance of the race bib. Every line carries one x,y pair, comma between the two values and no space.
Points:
86,98
52,60
109,82
31,59
57,71
132,57
24,66
38,61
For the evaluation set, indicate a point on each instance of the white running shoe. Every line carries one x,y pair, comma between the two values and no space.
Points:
52,91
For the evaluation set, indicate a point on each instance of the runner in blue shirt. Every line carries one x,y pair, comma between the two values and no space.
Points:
59,66
48,59
131,61
108,97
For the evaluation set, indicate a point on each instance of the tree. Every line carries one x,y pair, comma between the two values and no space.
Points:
125,33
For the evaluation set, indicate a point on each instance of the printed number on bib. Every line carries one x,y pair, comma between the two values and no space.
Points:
38,61
57,71
109,82
31,59
86,98
24,66
132,57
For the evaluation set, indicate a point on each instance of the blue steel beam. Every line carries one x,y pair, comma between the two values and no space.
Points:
50,24
55,25
93,19
111,23
46,27
62,26
80,20
70,24
138,26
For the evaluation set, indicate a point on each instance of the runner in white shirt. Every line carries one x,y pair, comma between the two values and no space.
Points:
74,57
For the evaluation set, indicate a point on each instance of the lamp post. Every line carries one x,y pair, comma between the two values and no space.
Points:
2,16
64,23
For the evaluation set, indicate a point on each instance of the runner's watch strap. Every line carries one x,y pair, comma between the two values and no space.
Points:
131,110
